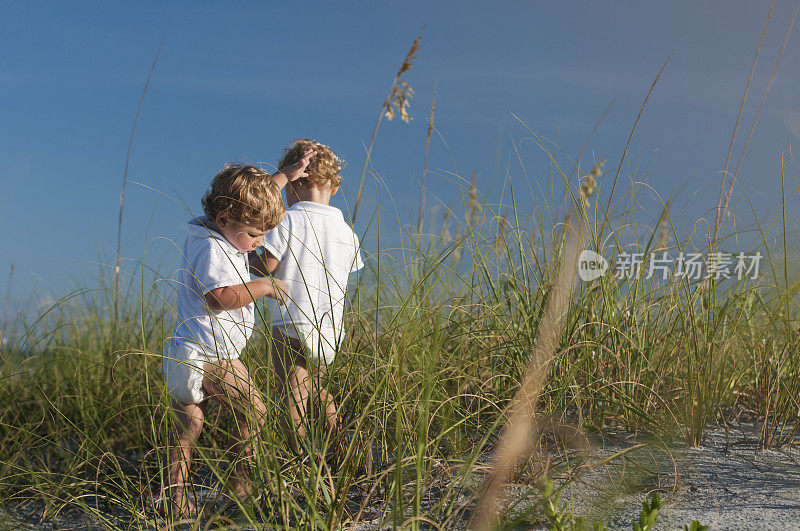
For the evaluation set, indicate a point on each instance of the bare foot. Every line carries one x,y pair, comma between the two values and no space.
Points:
236,489
178,506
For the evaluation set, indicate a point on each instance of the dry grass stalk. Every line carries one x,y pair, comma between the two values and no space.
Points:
516,440
663,229
444,232
590,182
399,97
425,166
122,193
474,206
457,243
601,232
713,241
563,202
587,188
758,113
400,93
500,234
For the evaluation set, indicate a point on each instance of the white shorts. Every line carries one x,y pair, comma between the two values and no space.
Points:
182,368
320,343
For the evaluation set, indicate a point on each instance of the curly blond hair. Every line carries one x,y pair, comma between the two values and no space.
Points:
247,194
324,168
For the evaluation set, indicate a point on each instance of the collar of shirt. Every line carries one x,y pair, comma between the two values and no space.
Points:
201,228
310,206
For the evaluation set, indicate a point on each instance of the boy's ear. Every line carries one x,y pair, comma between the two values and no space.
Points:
334,189
221,220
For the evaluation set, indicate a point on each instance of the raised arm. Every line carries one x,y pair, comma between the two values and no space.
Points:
239,295
293,171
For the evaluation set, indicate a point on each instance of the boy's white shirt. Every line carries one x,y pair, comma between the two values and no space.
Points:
210,261
317,251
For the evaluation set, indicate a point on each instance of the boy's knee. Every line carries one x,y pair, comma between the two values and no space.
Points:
254,411
190,419
195,427
325,397
298,375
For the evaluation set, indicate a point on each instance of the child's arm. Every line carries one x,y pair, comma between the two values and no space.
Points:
262,265
293,171
239,295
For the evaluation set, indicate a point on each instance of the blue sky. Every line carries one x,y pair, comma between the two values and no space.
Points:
238,81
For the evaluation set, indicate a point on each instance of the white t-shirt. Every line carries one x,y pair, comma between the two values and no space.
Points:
209,262
317,250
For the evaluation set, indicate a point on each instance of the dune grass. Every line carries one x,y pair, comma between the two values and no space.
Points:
451,333
440,333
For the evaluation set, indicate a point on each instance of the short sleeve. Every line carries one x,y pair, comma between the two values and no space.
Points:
276,241
358,263
211,266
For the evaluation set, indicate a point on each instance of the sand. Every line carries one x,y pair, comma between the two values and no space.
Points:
728,483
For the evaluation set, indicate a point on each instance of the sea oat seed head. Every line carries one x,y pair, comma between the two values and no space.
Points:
590,182
473,206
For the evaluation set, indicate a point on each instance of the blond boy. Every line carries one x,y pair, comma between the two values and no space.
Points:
313,251
216,316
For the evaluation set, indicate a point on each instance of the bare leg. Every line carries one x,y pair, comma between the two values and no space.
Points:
327,405
297,381
300,390
189,422
229,382
290,378
240,454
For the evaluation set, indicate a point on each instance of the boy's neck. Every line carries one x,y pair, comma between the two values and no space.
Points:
312,194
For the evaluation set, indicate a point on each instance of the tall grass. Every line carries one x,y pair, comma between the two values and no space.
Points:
440,337
124,185
452,332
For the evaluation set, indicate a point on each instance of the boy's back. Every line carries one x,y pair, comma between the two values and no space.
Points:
317,251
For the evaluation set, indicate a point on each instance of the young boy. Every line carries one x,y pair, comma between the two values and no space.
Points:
215,318
313,250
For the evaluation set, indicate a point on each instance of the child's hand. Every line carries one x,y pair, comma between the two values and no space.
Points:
294,171
297,170
279,292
